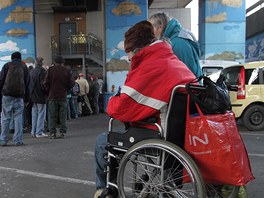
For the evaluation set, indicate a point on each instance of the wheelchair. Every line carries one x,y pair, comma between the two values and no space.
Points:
147,163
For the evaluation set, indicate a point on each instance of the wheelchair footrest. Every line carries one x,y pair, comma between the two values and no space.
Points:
132,136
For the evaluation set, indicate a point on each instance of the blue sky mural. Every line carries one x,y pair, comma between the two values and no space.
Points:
17,30
222,36
120,16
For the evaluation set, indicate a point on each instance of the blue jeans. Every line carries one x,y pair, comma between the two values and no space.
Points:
68,108
38,118
100,162
75,106
15,106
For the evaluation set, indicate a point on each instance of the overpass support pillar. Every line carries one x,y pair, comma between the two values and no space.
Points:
222,29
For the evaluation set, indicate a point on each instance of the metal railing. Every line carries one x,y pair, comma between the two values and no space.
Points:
79,44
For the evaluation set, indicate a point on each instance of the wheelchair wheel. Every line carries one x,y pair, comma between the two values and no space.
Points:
221,191
156,168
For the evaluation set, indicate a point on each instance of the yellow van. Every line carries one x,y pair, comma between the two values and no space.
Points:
248,100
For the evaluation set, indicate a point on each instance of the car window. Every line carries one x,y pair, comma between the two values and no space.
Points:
254,79
250,74
231,75
208,70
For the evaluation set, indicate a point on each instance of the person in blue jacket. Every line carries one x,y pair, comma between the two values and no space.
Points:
184,43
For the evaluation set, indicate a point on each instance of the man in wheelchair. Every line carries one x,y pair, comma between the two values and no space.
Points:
155,71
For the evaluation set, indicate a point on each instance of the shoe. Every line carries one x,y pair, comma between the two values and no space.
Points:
106,192
53,136
62,135
25,130
41,135
33,135
12,131
99,192
19,144
3,143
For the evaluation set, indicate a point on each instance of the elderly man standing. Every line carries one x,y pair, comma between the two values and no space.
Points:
58,82
84,90
14,85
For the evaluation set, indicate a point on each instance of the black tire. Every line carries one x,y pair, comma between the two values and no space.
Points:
221,191
134,165
253,118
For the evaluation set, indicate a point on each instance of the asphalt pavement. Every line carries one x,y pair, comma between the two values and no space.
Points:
64,168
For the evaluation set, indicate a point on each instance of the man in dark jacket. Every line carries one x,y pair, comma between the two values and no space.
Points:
14,86
58,82
38,96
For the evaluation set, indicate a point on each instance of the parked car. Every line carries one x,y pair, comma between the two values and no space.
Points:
213,66
248,100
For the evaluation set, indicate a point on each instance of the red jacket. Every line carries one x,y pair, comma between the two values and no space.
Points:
155,70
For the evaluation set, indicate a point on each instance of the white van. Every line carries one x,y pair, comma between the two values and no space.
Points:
215,66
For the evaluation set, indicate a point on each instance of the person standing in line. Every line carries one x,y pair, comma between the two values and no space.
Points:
58,82
95,94
28,110
69,99
84,91
38,96
14,86
183,42
101,93
75,92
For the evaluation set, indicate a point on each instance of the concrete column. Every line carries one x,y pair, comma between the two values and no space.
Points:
119,17
222,27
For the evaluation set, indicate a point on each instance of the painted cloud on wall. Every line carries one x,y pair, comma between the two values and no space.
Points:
233,3
6,3
127,8
8,46
17,32
20,15
120,45
216,18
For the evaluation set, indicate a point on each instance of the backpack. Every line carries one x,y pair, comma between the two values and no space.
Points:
14,84
76,89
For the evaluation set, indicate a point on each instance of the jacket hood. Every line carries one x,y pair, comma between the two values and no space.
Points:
174,29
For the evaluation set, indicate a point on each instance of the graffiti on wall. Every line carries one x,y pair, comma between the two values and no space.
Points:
16,30
255,48
120,16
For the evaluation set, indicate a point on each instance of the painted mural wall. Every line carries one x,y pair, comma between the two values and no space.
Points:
16,30
222,29
255,48
120,16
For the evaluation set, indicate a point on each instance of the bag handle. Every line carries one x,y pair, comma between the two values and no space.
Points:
190,92
198,109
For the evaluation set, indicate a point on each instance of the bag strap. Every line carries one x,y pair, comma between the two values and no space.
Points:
192,95
198,109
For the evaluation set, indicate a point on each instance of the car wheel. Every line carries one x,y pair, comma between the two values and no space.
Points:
253,118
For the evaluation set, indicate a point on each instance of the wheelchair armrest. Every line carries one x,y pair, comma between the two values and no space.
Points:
149,120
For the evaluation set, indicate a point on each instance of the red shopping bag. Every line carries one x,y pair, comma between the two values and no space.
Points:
213,141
